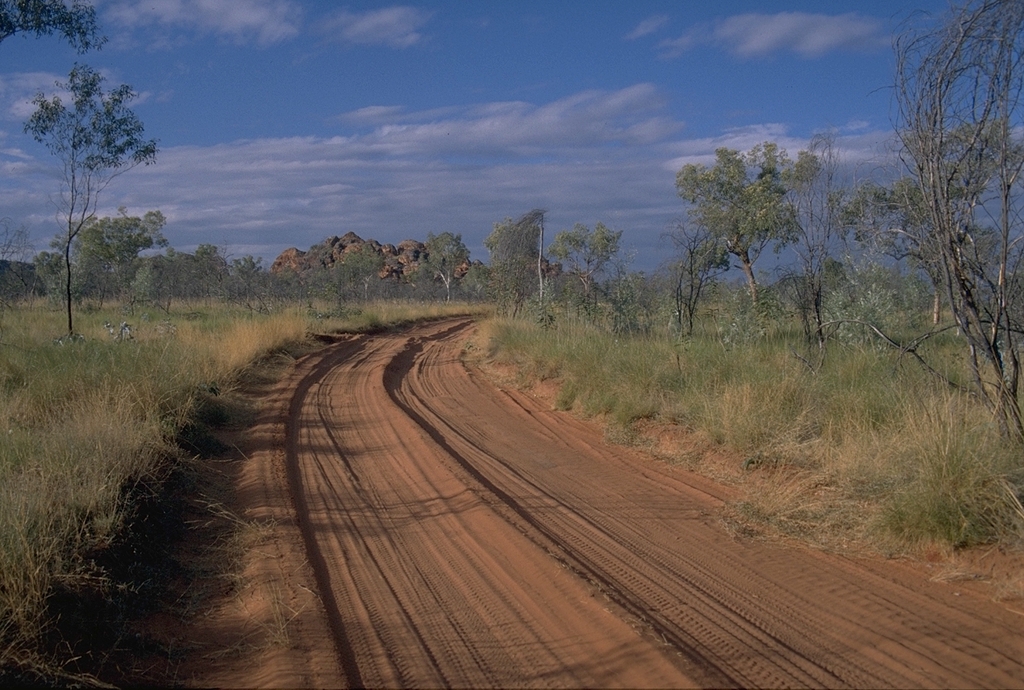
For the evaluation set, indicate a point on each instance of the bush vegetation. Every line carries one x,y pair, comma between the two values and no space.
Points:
850,406
91,426
867,446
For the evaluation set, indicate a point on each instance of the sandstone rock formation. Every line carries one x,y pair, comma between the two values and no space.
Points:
400,261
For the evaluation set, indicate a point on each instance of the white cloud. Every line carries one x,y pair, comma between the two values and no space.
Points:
594,155
702,151
589,119
855,149
276,193
856,126
647,26
374,114
18,89
265,21
377,115
396,27
808,35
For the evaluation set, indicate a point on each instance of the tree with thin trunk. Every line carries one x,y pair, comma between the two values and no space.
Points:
699,259
514,249
528,223
446,254
587,252
959,89
894,221
108,249
358,271
742,200
818,198
96,137
248,284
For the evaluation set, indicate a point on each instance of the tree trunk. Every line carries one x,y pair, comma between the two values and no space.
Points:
540,261
748,271
67,284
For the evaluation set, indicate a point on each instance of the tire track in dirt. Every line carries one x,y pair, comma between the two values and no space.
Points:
428,587
321,571
466,536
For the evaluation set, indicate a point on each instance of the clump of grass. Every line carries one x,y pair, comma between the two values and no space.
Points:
957,477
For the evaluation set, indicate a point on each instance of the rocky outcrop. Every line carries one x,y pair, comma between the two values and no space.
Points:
291,259
399,261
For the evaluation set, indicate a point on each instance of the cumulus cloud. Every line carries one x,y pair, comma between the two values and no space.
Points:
395,27
265,21
647,27
808,35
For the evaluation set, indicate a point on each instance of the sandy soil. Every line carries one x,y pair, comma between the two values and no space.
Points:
426,529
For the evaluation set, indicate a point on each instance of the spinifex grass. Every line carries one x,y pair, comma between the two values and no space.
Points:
80,423
83,421
866,446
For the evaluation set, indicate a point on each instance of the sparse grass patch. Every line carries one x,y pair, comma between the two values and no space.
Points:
91,427
866,447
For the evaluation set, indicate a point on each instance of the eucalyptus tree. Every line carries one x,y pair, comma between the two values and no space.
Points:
446,255
357,271
76,22
699,258
16,275
529,222
893,220
108,248
211,270
586,252
161,279
818,199
958,90
96,137
248,284
741,199
514,246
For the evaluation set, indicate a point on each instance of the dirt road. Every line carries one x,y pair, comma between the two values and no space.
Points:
462,535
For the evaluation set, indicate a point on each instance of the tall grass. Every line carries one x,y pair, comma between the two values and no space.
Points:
867,446
83,422
960,484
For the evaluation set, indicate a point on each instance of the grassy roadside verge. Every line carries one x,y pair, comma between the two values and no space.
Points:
91,432
866,451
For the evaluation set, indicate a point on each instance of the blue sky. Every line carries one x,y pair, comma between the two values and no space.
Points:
281,122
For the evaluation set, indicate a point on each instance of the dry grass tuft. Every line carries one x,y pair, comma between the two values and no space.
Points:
864,451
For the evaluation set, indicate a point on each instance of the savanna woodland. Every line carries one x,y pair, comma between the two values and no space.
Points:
850,339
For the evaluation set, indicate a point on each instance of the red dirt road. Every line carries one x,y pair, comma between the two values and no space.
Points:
461,535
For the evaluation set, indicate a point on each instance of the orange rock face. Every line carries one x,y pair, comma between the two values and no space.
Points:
401,260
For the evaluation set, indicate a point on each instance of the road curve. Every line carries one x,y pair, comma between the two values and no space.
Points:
466,536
